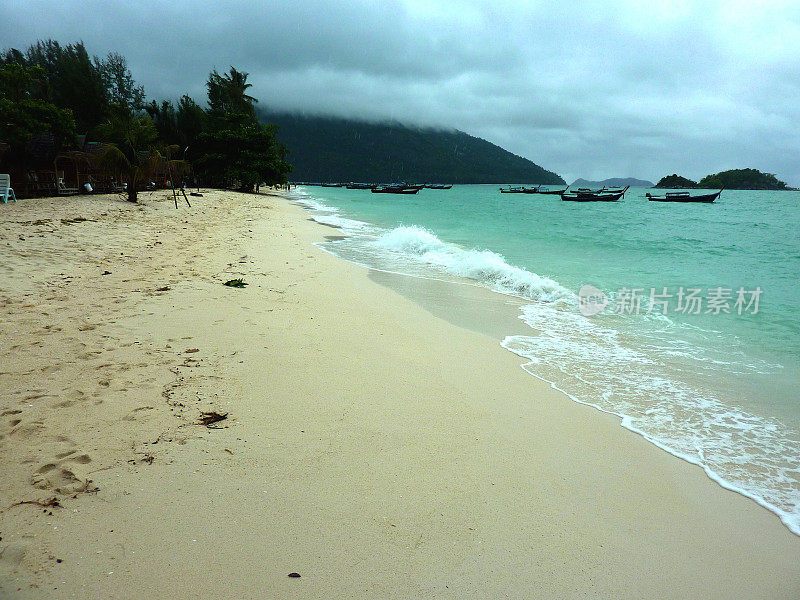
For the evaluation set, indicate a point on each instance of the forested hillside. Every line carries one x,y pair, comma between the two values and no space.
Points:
334,149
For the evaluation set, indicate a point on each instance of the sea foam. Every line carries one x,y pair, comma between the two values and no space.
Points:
594,365
330,215
484,266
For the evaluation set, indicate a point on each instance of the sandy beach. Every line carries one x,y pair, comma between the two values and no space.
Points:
367,445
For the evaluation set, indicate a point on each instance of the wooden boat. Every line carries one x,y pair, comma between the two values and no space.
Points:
515,190
394,189
360,186
602,190
541,190
593,196
438,186
683,197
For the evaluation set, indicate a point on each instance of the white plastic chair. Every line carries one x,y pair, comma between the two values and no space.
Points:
6,191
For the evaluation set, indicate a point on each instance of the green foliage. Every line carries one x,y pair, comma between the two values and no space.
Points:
190,121
18,82
676,182
742,179
227,98
235,149
179,126
74,80
243,156
53,90
21,121
120,87
165,119
24,115
71,79
333,149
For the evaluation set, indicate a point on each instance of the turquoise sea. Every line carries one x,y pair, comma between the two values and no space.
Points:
697,342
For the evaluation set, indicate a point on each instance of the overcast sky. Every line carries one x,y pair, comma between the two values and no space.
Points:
585,89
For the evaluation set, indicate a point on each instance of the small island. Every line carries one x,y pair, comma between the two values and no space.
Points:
734,179
676,182
742,179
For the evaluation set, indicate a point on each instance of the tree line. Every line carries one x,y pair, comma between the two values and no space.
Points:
59,93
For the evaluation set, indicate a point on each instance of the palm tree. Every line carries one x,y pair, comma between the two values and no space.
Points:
236,84
227,93
131,150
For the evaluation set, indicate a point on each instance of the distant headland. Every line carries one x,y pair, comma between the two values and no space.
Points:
734,179
327,148
613,182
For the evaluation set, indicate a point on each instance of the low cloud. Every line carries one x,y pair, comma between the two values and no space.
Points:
582,88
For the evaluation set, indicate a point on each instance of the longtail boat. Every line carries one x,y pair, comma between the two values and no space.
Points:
394,189
518,190
683,197
593,196
541,190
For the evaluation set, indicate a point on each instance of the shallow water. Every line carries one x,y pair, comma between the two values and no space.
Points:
717,388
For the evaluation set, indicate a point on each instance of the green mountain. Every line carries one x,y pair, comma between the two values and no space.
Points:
613,182
742,179
676,182
342,150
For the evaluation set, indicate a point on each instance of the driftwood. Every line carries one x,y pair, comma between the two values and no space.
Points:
52,502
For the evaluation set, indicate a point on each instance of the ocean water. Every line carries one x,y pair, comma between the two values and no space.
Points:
695,343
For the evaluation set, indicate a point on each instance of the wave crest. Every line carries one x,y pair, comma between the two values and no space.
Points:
484,266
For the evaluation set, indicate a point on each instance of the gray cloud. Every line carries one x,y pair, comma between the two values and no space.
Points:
586,89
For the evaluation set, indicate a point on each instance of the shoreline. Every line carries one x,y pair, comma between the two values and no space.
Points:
367,446
451,300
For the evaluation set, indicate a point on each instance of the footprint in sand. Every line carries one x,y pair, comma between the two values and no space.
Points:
70,398
64,475
27,430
